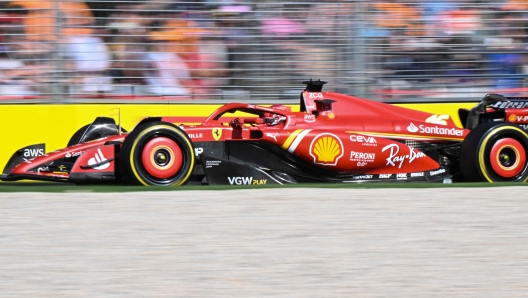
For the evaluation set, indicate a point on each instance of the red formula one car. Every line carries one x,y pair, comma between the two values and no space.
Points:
333,138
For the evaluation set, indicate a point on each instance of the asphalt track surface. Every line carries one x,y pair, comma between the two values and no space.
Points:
291,242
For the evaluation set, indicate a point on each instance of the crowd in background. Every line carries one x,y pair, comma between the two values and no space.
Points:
450,44
202,49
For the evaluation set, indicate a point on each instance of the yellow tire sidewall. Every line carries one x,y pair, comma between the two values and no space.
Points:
482,149
189,146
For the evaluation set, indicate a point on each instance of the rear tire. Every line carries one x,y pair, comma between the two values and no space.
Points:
158,154
495,152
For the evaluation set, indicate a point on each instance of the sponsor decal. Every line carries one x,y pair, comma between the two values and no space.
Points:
309,117
260,108
198,151
363,177
33,152
524,126
97,159
30,154
212,163
246,181
217,133
272,135
412,128
385,176
512,118
57,175
195,135
435,130
438,119
419,174
510,105
401,176
521,118
331,115
315,95
43,169
362,158
364,140
73,154
326,149
437,172
294,139
397,160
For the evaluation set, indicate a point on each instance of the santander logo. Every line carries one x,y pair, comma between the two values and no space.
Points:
412,128
97,159
438,130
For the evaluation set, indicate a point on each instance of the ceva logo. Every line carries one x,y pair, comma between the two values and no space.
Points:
412,128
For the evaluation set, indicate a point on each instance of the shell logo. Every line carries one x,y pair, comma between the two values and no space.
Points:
326,149
512,118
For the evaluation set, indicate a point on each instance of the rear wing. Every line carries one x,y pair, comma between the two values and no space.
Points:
517,102
472,118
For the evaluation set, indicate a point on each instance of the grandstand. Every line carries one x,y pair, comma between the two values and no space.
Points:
152,50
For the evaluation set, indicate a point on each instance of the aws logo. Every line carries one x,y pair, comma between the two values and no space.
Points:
326,149
34,152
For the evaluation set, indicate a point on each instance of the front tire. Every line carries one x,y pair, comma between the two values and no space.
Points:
158,154
495,152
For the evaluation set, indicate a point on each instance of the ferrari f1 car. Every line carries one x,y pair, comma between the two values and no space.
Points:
332,138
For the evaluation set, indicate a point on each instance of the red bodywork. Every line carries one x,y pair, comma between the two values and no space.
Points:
332,131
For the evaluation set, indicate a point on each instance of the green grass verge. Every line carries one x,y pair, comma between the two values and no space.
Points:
55,187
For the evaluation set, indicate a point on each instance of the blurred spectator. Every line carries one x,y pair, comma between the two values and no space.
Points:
394,15
167,73
459,22
24,63
506,63
203,47
43,20
238,30
515,5
433,11
71,27
128,49
89,57
210,70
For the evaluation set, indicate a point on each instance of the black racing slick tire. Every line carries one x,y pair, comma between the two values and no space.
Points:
156,154
495,152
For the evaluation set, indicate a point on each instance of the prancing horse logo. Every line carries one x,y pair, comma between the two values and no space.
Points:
217,133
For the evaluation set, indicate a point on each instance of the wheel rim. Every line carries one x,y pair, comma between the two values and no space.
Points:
507,158
162,157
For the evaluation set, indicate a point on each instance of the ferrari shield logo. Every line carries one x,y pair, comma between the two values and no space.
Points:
217,133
